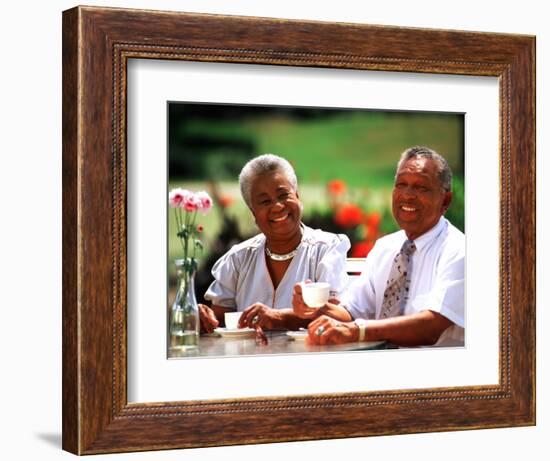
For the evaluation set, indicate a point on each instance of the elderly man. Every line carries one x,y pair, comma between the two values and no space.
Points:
411,289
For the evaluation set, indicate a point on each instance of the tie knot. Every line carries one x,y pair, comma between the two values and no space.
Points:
408,247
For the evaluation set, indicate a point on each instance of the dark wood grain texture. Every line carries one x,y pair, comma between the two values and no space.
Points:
97,43
70,393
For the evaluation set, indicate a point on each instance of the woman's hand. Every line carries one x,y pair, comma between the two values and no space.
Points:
260,315
326,330
208,319
300,308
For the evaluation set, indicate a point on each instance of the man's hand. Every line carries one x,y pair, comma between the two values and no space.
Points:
208,319
260,315
326,330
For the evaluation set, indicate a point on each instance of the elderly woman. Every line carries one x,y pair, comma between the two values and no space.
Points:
258,275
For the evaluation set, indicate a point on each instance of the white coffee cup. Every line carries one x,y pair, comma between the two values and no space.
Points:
232,320
315,294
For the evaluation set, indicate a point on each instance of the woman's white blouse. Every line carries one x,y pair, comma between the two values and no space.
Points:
241,277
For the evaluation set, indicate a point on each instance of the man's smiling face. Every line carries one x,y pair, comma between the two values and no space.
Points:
418,199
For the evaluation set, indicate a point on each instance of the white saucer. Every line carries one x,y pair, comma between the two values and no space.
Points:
297,335
235,332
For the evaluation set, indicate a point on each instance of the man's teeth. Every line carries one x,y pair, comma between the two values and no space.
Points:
280,219
408,208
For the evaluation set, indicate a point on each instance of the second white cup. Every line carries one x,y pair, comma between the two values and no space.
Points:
232,320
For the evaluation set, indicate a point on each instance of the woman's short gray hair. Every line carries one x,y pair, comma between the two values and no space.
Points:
265,163
445,174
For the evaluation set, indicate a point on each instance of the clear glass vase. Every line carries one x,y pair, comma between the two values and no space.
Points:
184,322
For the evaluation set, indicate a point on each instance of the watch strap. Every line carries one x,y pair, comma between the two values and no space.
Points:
362,324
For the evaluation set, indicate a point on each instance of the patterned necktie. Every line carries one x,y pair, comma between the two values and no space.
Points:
397,286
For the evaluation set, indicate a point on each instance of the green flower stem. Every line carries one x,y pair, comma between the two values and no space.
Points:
187,231
193,230
177,212
186,278
186,235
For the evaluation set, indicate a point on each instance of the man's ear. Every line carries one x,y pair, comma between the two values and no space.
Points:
446,202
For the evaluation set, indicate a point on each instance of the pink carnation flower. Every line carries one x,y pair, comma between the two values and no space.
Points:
177,197
191,202
205,201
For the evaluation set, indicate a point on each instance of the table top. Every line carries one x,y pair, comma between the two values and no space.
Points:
279,342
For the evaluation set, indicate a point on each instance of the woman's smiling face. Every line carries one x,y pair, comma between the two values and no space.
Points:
275,206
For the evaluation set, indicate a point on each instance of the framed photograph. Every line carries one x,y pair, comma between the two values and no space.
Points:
345,161
129,76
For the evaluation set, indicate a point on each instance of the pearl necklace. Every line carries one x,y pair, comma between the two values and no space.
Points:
284,257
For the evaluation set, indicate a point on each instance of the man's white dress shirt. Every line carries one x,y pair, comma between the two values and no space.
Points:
437,278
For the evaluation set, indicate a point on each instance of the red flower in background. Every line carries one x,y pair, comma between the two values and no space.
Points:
372,225
361,249
336,187
349,215
226,200
373,219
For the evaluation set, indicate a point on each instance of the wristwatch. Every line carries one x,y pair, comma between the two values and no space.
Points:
362,324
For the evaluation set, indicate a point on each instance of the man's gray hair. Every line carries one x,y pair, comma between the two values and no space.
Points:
262,164
445,174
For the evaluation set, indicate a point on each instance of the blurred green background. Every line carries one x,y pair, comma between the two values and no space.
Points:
345,160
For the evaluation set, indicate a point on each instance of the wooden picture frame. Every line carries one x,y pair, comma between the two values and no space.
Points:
97,43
